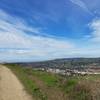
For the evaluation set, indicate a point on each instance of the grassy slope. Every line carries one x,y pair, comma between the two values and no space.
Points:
47,86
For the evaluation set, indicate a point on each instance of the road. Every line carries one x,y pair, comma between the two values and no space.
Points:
10,86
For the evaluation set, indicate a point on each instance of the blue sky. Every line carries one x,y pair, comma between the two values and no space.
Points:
35,30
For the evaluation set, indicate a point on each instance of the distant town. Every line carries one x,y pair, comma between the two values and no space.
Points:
68,66
69,72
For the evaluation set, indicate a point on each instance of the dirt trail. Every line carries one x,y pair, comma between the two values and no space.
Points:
10,87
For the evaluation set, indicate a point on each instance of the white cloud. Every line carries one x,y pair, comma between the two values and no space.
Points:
15,42
17,45
81,4
95,28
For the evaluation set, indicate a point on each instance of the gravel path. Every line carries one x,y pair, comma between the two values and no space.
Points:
10,86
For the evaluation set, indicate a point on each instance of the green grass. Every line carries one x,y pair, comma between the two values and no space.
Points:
47,78
80,92
69,85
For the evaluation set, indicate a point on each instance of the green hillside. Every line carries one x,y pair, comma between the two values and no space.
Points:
48,86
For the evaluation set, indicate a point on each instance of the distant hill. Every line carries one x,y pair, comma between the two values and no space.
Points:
72,63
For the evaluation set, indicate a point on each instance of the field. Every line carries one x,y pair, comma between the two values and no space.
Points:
47,86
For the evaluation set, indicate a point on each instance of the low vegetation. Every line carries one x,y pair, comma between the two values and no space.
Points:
48,86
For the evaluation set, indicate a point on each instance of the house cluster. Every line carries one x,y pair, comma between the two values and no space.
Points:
69,72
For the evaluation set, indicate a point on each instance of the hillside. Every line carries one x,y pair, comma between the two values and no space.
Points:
48,86
71,63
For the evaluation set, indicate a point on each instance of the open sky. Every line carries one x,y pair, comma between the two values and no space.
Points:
36,30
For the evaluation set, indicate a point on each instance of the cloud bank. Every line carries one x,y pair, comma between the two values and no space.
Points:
16,43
